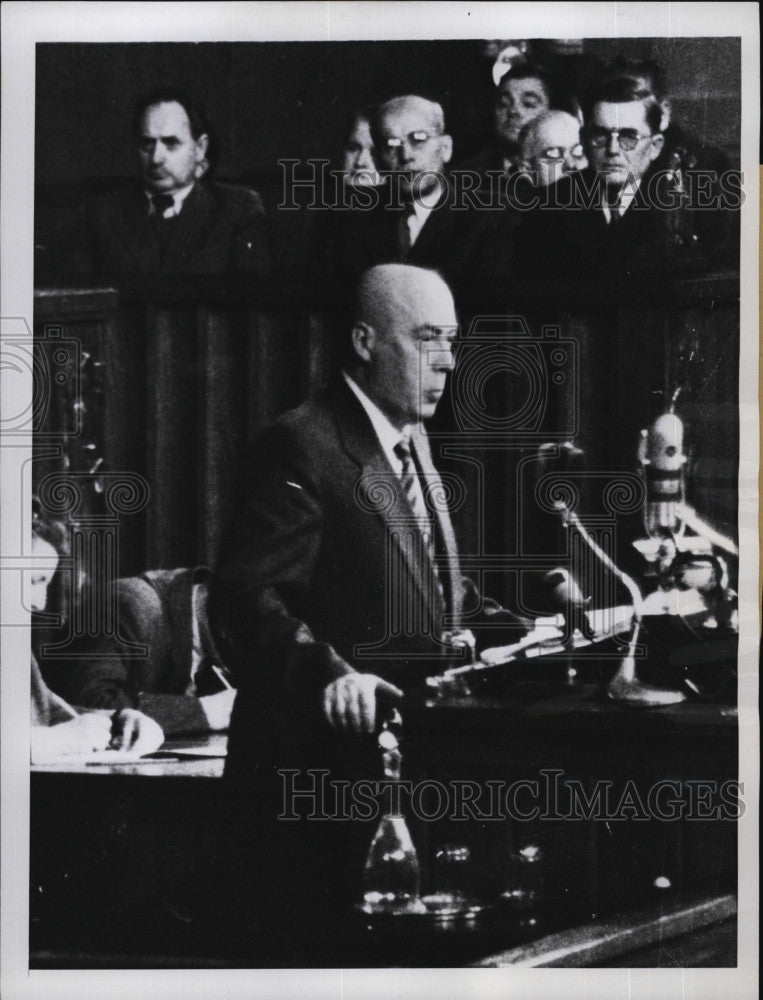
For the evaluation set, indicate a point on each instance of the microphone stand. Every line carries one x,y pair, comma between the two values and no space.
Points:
625,687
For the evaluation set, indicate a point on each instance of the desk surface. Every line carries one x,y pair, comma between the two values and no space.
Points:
159,765
576,714
158,844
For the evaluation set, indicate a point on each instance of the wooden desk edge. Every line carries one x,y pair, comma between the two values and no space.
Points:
600,941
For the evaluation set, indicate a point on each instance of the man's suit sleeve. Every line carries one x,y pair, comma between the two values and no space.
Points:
114,680
259,598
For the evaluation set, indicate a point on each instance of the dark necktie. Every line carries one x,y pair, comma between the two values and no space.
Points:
405,242
409,481
613,204
161,203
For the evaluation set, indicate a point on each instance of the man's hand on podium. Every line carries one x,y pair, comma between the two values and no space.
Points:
349,703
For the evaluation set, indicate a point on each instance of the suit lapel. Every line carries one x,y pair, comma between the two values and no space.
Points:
136,234
378,488
195,219
434,231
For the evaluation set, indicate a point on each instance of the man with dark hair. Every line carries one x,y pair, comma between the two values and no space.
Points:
621,219
698,169
522,94
682,149
177,220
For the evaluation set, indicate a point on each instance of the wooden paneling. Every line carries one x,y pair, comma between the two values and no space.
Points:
181,378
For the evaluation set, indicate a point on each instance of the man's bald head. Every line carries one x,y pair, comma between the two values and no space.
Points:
388,291
405,322
409,134
551,147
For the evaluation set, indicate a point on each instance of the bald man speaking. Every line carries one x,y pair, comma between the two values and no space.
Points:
340,583
337,592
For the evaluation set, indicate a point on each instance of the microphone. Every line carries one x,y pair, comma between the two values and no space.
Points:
566,597
660,453
625,685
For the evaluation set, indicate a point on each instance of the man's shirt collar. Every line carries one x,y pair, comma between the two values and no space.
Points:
178,197
387,434
627,196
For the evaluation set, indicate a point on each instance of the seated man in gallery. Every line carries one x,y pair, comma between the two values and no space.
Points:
175,220
551,148
418,216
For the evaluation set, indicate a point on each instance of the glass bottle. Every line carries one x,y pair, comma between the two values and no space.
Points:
391,881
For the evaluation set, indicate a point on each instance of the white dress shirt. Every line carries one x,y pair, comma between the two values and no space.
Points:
387,434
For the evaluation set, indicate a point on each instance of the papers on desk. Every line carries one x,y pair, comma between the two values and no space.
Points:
95,757
195,752
134,756
544,639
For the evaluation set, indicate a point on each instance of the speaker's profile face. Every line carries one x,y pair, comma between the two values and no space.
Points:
169,154
413,355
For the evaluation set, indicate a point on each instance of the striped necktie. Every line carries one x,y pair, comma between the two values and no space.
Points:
411,486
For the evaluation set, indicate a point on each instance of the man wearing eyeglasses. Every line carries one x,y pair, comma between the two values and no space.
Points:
621,219
551,148
624,139
420,217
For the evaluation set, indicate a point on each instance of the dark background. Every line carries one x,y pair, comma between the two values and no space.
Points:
176,391
271,100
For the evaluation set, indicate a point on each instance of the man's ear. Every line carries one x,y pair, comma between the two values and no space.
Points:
446,148
658,141
202,145
665,119
363,337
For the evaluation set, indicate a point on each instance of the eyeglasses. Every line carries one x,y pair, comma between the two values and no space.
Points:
558,152
627,138
414,139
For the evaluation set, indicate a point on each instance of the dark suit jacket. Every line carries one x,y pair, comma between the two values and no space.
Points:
155,610
453,240
488,160
220,230
317,578
322,574
568,239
